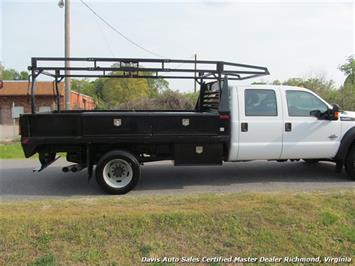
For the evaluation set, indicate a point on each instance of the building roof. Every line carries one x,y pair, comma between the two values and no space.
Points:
23,88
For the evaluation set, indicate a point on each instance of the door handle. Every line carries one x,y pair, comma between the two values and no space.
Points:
288,127
244,127
332,136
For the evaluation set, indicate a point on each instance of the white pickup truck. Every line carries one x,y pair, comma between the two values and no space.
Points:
271,122
256,122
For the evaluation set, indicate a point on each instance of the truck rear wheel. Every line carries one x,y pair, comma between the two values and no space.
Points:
350,163
118,172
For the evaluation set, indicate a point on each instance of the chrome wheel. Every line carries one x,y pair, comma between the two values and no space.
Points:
117,173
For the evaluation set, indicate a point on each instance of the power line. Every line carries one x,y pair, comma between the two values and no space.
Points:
120,33
105,39
180,65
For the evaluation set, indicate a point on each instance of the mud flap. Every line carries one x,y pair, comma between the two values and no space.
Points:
46,159
89,162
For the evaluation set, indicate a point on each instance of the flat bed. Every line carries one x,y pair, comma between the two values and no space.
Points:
129,138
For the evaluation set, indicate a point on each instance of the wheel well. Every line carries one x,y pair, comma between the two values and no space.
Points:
347,143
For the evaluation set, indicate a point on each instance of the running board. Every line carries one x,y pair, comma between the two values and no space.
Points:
45,165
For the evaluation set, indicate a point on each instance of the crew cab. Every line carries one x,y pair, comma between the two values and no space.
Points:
229,124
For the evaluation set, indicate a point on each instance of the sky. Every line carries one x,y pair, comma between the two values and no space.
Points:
291,38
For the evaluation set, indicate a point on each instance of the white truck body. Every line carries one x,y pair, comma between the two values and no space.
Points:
268,109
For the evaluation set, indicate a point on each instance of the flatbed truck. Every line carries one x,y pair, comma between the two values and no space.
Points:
228,124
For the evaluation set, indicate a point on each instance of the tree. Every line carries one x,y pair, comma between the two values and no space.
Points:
347,91
157,86
117,91
165,100
109,93
12,74
320,85
349,67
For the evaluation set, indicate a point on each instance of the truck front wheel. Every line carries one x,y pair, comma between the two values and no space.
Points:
350,163
117,172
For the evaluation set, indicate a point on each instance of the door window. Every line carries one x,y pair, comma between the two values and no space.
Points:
301,103
260,102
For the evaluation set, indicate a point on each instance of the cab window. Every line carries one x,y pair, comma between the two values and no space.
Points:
260,102
301,103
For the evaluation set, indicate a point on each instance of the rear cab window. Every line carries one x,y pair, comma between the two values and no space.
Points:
260,102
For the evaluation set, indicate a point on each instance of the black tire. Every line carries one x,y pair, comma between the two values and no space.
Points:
311,161
350,163
117,172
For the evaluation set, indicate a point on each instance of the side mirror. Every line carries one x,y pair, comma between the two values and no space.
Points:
335,112
336,107
315,113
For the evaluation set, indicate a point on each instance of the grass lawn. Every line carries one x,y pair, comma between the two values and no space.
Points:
120,230
11,150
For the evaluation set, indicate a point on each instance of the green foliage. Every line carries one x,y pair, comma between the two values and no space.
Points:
118,91
165,100
349,67
320,85
132,93
347,91
12,74
45,260
328,218
343,96
110,93
11,151
157,86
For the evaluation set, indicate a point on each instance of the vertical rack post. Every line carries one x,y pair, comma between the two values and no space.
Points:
57,92
195,73
33,80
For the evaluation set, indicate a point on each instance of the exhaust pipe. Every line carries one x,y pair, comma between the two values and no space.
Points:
77,168
74,168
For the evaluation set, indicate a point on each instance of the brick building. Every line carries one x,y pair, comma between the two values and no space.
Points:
17,94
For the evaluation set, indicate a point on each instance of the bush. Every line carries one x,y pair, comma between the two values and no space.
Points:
166,100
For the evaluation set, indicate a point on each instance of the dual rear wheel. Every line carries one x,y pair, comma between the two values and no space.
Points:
118,172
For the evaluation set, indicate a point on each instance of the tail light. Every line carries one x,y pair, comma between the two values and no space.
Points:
224,117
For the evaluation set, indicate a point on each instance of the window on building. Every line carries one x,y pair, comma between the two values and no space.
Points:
16,111
44,109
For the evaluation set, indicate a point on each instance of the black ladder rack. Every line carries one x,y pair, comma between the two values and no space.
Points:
199,70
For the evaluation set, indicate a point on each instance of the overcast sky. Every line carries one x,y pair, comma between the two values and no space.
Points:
293,39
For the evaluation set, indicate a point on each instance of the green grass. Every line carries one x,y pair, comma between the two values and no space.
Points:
120,230
11,151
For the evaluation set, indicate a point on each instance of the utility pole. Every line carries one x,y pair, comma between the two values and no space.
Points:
67,94
195,73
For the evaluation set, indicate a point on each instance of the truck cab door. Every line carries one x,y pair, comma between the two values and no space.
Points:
260,125
306,136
